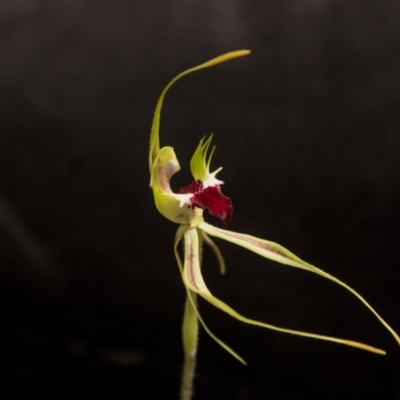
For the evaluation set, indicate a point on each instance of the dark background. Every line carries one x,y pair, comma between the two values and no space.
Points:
307,129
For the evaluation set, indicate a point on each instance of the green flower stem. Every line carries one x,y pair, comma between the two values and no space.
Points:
190,331
190,341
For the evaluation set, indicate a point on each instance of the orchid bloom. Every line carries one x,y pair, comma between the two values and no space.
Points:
186,209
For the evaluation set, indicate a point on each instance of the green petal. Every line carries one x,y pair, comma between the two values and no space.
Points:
276,252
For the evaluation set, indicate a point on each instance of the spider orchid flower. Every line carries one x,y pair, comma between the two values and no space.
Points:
186,209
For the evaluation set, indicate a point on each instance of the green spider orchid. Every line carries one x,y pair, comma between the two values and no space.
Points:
186,209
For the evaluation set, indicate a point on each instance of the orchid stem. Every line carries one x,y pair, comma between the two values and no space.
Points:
190,341
190,332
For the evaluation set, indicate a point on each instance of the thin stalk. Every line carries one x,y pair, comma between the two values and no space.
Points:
190,342
190,331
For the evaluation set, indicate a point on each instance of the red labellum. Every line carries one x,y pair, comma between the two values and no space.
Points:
195,187
211,199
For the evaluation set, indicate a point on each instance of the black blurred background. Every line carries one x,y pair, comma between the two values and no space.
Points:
307,129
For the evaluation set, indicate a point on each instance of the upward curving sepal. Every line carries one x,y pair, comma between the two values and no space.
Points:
154,135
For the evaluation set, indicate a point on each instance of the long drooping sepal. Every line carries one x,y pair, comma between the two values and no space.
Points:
154,136
192,240
276,252
194,282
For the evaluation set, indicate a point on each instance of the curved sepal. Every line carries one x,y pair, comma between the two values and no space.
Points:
190,295
194,282
154,135
276,252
